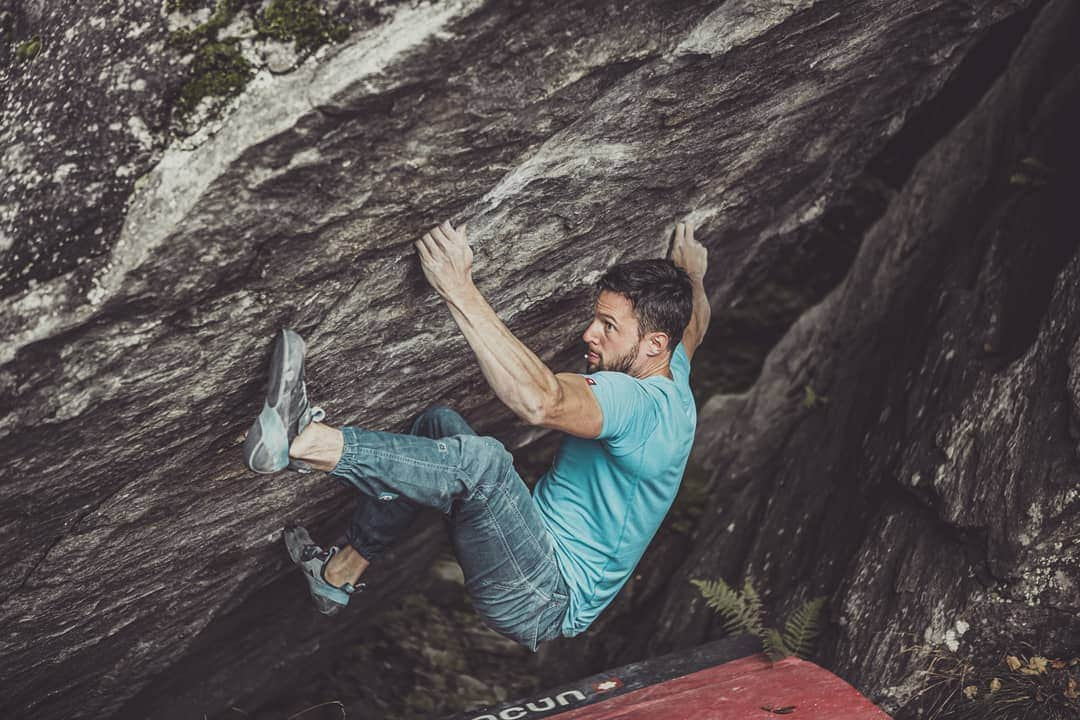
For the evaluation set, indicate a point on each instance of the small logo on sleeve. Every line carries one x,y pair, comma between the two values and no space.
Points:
590,381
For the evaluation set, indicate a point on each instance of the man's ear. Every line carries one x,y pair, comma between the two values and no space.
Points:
657,343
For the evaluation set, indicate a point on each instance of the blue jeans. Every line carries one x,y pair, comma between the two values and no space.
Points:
501,542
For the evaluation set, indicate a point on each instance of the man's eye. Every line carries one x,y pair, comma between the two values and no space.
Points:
609,326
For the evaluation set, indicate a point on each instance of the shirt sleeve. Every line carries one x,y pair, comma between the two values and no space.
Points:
680,365
629,412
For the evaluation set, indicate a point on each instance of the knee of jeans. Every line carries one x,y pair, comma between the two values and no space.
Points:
432,415
486,461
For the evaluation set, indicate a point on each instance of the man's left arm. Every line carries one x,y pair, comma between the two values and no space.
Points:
693,257
518,377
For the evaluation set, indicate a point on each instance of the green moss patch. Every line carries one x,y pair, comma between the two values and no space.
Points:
224,12
301,21
28,49
218,70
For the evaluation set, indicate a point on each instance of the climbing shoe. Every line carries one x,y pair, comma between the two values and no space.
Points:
312,560
285,412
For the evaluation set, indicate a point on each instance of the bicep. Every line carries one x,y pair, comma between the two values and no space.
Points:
575,410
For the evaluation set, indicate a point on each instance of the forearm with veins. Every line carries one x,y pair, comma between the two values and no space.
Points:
519,378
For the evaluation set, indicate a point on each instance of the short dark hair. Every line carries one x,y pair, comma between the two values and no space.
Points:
660,293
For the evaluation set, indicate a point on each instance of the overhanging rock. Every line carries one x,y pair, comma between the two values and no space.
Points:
570,136
909,448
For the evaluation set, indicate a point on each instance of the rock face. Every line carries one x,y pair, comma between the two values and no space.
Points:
909,448
141,571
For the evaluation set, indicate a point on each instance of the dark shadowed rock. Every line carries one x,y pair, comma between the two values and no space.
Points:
928,483
142,572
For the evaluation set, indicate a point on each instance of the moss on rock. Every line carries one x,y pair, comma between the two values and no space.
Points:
28,49
301,21
224,12
218,70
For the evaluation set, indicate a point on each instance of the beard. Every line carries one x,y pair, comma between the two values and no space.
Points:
619,364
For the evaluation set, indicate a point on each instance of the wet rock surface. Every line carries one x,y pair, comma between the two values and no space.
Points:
142,572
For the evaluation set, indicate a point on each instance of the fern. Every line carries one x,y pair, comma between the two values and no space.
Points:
753,602
741,613
803,626
774,645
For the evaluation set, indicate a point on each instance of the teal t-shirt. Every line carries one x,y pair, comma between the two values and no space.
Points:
604,499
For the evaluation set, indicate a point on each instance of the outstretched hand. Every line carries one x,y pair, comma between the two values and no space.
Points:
446,259
688,253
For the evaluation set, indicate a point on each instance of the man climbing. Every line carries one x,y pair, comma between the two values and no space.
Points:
536,566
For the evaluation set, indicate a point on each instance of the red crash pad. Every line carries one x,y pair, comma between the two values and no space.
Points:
751,687
726,679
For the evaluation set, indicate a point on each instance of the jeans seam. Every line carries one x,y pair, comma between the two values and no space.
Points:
536,632
355,452
536,543
502,538
506,545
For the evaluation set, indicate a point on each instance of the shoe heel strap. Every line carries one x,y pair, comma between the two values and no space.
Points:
308,416
347,588
299,466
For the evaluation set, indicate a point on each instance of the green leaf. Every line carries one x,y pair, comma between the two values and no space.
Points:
739,613
774,645
802,628
753,601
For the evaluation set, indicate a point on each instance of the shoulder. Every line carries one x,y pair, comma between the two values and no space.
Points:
628,404
619,390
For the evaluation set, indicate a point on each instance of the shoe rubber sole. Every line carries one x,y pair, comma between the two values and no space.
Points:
328,599
266,447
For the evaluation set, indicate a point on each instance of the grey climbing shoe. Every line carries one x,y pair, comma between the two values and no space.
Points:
285,412
312,559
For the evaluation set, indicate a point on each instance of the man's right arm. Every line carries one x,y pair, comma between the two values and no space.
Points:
518,377
693,257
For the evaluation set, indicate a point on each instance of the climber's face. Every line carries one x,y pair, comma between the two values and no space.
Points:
612,341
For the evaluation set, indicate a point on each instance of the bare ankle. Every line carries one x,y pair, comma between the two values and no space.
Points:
346,566
303,443
337,577
319,445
